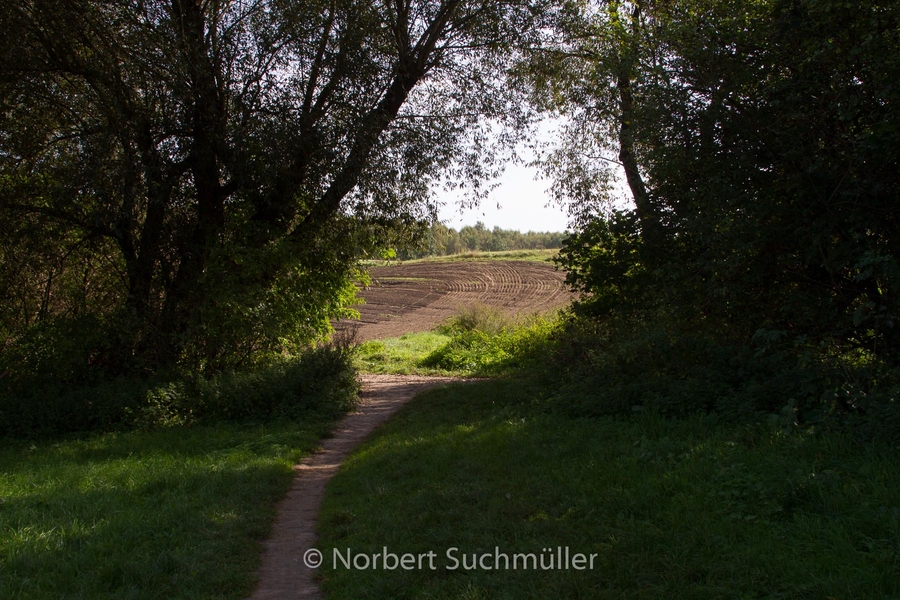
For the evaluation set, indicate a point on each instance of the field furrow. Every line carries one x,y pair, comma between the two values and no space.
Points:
406,298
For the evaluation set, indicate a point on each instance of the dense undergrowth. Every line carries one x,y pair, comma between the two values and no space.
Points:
479,341
623,366
321,379
586,366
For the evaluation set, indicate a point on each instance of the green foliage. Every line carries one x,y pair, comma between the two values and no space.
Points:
758,269
622,367
602,261
479,317
401,355
319,380
673,508
248,323
474,352
206,176
479,341
62,350
486,342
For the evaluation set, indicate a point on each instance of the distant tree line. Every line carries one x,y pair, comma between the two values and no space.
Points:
440,240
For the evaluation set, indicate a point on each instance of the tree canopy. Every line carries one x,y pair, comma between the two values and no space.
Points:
760,142
201,176
192,182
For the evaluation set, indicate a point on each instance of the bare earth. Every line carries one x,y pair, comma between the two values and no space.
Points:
408,298
283,574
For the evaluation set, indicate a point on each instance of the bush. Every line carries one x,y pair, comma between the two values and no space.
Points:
321,379
485,342
68,351
625,365
479,317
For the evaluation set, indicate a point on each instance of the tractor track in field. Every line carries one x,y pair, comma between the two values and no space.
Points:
407,298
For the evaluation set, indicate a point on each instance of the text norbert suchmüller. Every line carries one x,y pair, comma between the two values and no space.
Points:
560,558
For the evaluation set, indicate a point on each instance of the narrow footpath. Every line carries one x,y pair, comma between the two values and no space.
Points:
283,574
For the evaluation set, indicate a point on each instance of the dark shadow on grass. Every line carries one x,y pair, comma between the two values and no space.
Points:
671,507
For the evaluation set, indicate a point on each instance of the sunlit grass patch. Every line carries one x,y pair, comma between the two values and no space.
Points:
401,355
173,513
478,341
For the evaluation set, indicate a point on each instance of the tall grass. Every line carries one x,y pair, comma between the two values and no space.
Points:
478,341
478,316
403,355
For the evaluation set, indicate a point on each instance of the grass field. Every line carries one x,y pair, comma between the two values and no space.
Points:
671,508
665,508
174,513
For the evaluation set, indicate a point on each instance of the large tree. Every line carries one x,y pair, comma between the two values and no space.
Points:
760,143
207,172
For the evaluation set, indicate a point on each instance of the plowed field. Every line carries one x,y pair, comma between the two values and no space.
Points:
413,297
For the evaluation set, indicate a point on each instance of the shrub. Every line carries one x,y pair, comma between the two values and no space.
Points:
479,317
482,343
626,365
321,379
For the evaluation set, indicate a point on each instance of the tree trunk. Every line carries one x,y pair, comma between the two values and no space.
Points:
646,211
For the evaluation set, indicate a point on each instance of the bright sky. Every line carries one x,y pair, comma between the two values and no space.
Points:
521,200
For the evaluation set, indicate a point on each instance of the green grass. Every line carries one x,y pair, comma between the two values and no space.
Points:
173,513
690,508
462,347
402,355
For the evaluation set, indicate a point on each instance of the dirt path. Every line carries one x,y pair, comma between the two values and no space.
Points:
283,574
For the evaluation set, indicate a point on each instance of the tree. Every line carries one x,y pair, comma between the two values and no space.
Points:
589,74
229,161
758,143
766,137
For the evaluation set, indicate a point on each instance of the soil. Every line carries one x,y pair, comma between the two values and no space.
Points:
283,574
408,298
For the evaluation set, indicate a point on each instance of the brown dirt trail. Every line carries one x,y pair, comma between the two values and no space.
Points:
404,298
283,575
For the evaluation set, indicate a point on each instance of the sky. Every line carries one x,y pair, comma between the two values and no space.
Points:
521,199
